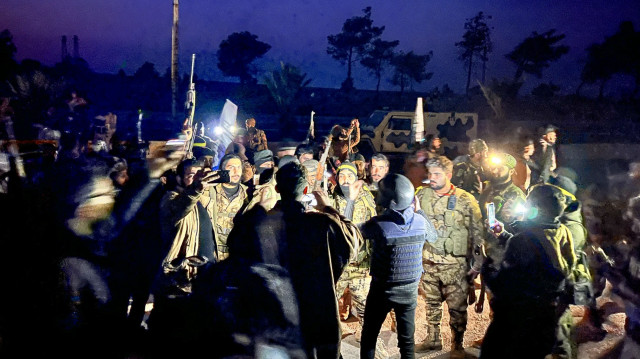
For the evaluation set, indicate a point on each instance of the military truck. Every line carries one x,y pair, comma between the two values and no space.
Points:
390,132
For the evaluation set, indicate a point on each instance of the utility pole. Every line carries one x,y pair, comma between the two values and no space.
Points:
174,61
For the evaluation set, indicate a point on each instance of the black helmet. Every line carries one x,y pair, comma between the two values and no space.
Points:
395,192
546,202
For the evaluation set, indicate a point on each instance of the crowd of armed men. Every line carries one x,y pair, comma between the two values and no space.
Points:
257,255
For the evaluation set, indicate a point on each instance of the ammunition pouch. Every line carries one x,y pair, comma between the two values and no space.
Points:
456,248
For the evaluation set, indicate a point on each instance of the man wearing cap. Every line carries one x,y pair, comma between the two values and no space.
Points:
354,201
469,174
456,217
304,153
507,198
529,285
229,199
545,156
341,145
264,181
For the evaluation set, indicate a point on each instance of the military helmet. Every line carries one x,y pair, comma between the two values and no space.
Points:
395,192
477,146
545,202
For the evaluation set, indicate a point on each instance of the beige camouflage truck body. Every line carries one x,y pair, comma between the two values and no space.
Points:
225,212
390,132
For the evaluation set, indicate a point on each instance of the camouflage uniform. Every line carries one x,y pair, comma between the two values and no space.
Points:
468,177
356,275
506,197
458,221
269,189
225,211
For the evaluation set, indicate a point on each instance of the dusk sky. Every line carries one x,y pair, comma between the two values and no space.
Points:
118,34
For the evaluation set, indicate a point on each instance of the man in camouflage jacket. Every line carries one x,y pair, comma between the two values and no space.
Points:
457,219
354,201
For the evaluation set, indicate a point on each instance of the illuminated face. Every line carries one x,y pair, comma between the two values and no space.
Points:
379,169
268,164
121,178
247,171
499,173
234,166
550,137
438,178
311,179
189,174
529,150
436,143
250,123
305,157
346,178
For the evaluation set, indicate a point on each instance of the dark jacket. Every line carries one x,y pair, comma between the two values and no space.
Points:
314,248
537,262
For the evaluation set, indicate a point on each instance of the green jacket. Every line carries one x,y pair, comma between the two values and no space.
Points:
506,198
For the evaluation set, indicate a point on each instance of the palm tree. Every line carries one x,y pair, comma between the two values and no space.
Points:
285,86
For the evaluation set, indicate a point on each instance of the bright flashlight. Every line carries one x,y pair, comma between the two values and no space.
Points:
234,128
496,160
521,209
218,130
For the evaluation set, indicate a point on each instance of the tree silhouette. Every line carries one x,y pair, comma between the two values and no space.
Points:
284,86
352,43
476,43
146,72
380,54
536,52
7,52
619,53
236,54
409,68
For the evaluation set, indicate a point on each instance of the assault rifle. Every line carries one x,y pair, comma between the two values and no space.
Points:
322,165
190,109
310,133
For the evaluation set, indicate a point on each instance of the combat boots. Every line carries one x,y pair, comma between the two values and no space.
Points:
431,342
457,351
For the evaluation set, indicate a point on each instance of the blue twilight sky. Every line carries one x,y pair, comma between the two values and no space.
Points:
116,34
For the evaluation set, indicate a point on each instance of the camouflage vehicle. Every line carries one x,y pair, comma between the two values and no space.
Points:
391,131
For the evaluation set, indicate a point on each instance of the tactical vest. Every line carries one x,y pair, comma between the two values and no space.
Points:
397,257
448,217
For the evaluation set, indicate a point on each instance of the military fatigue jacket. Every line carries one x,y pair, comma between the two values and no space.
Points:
506,197
225,212
469,177
180,224
458,222
364,209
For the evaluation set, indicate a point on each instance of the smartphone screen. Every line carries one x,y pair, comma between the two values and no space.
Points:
224,177
491,213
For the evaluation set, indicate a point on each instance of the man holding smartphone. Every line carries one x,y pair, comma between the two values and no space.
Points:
229,198
187,216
